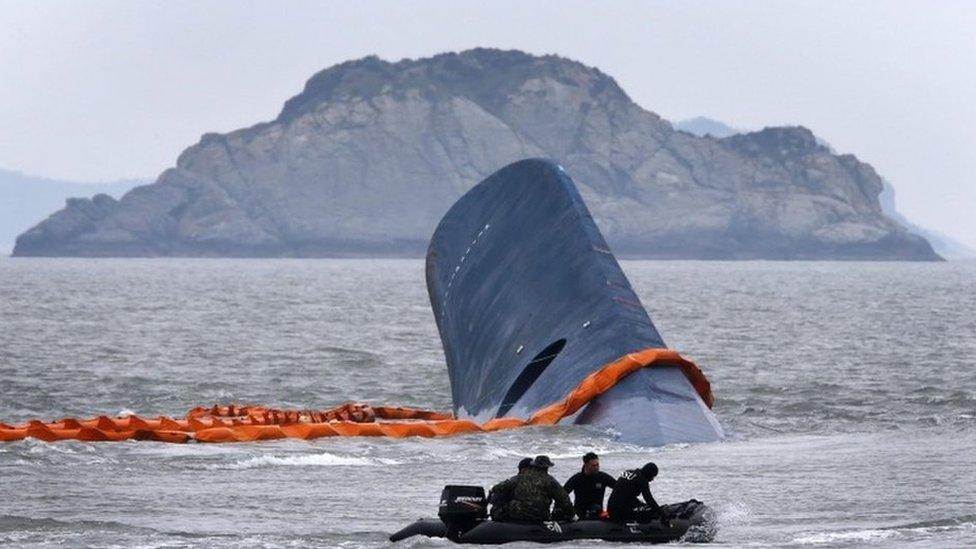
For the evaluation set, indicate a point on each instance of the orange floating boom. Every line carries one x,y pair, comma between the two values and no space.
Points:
234,423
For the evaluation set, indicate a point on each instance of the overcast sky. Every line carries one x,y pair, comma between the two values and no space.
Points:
107,90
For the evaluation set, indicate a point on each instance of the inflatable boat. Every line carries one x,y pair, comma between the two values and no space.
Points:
463,519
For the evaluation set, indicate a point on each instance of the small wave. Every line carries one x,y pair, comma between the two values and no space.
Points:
939,526
313,460
951,522
834,537
17,522
575,452
492,454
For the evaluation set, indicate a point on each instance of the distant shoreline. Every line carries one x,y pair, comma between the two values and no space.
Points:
627,258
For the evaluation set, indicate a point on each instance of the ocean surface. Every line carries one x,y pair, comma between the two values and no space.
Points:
847,391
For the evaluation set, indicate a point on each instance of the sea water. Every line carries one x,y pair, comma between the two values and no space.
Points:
847,391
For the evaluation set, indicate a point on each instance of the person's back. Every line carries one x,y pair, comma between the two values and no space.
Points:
624,505
625,491
534,492
500,494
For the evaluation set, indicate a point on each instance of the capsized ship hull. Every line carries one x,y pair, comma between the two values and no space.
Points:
529,300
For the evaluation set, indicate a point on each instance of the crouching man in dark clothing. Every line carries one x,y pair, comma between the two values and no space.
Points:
623,505
532,493
590,484
500,494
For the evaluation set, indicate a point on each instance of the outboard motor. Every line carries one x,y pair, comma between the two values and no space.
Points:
462,508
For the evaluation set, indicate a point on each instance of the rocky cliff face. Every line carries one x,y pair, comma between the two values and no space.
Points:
370,155
24,199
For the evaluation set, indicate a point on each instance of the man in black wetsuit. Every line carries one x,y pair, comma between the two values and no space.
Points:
623,505
589,486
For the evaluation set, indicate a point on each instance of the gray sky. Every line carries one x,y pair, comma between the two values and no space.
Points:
106,90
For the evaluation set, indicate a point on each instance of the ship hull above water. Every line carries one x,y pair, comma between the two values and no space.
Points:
529,301
653,406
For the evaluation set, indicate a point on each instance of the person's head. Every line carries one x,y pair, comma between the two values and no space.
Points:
524,464
542,463
591,463
650,470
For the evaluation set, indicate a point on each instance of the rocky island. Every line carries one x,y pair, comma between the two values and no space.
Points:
366,159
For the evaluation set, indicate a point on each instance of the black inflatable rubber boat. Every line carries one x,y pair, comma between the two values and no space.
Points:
463,519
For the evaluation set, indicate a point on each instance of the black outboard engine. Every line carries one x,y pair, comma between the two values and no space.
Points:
462,508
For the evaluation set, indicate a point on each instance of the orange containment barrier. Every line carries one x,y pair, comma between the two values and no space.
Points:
234,423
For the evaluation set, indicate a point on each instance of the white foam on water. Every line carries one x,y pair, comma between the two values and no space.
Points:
166,450
834,537
577,452
312,460
881,534
733,515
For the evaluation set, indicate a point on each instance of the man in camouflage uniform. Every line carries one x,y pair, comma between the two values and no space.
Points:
531,494
501,494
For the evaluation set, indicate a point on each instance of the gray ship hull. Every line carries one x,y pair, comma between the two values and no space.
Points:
529,301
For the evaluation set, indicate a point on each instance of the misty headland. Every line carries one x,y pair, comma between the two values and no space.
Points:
365,160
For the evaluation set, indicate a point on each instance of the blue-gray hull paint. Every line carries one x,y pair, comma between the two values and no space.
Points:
518,264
